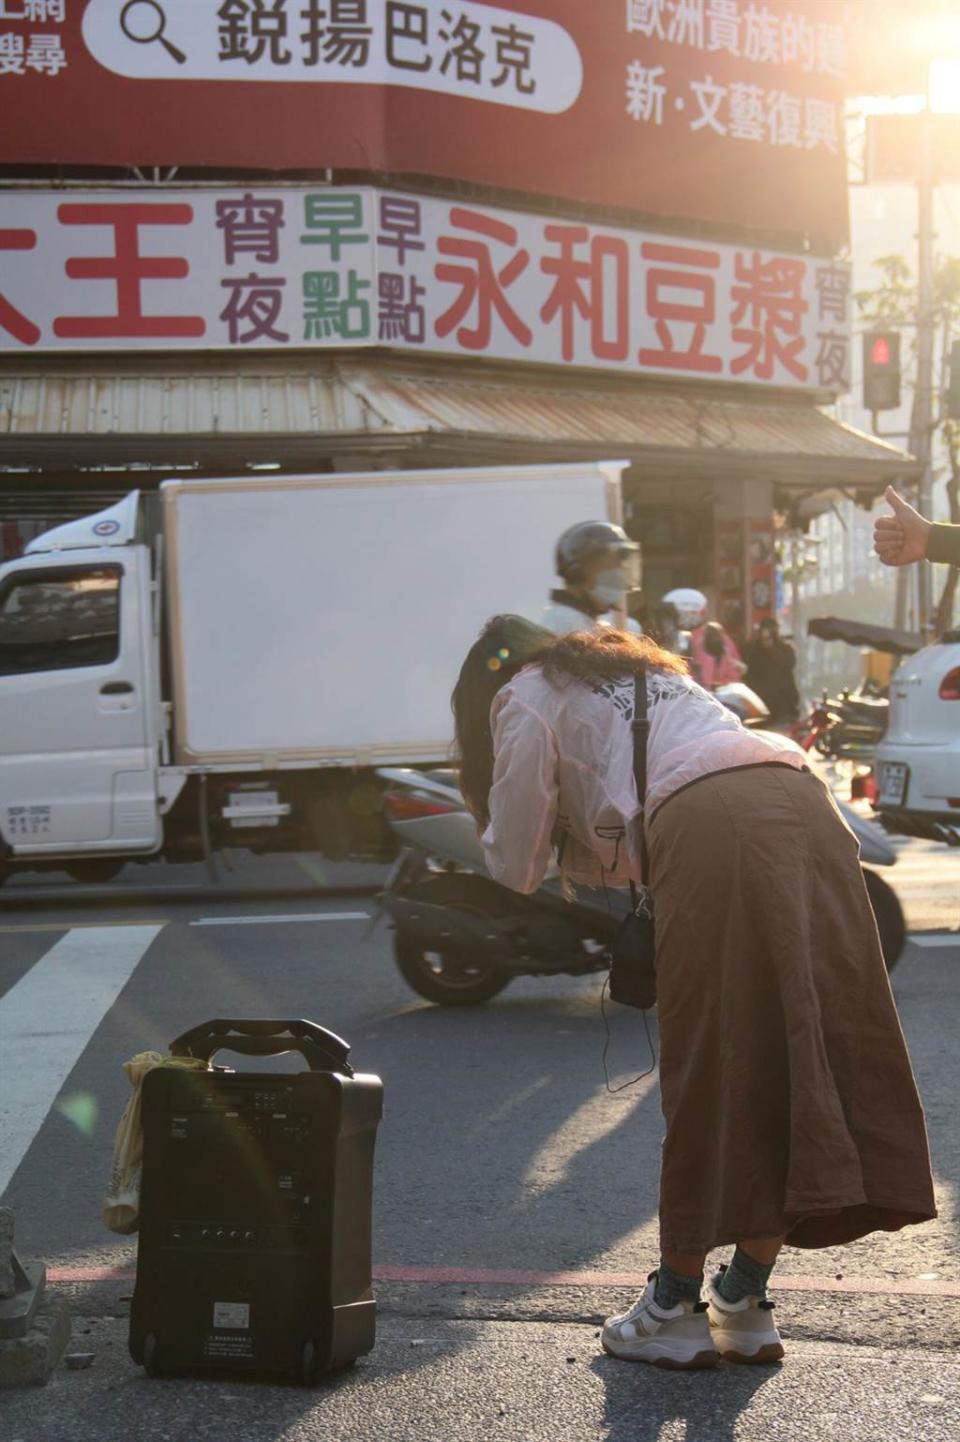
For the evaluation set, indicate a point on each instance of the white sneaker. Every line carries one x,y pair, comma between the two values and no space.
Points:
743,1331
676,1337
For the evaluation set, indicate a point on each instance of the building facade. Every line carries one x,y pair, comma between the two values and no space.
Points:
249,233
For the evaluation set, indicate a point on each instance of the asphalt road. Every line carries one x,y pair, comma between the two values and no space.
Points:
515,1198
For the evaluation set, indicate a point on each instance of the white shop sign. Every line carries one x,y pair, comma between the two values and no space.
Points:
257,267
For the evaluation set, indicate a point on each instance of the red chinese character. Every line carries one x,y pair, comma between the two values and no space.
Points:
479,283
11,319
580,287
128,268
697,312
772,293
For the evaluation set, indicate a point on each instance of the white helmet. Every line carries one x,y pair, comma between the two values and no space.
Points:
691,607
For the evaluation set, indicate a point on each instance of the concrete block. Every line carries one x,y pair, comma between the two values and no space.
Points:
7,1279
17,1312
28,1361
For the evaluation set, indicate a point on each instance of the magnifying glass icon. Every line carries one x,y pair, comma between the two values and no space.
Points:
149,27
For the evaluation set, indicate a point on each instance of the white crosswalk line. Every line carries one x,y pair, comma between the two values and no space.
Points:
47,1019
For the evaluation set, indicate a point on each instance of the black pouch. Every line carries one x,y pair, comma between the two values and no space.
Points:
633,973
633,979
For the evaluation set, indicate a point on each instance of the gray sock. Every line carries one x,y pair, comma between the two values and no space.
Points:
674,1287
743,1278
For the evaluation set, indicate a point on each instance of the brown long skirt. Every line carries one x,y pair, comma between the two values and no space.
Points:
789,1098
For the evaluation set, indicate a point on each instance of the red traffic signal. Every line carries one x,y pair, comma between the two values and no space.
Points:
880,350
881,370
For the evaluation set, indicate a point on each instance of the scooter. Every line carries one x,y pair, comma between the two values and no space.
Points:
460,937
847,727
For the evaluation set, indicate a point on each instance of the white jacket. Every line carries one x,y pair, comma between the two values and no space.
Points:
563,762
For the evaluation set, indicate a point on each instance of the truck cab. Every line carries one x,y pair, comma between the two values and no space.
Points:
80,710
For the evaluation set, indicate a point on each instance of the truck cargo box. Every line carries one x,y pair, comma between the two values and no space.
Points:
324,618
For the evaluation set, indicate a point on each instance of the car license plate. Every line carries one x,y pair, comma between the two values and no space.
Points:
893,783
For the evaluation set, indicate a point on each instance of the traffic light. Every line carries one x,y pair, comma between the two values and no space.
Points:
952,397
881,370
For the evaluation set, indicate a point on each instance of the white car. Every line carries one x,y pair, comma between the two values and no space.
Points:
918,760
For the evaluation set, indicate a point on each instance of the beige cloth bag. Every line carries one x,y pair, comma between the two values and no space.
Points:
121,1205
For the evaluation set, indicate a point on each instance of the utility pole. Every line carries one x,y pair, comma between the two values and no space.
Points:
796,613
921,415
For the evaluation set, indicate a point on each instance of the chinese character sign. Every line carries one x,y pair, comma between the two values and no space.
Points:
724,111
791,103
259,267
32,41
454,47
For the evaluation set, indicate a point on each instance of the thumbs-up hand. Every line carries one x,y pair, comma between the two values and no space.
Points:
902,537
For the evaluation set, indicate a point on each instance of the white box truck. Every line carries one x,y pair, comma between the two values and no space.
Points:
235,677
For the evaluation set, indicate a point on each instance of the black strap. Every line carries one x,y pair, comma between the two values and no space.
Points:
641,730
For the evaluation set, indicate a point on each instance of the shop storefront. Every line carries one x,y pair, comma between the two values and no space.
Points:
707,473
624,261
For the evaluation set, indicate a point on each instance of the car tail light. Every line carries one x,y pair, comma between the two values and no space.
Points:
950,685
412,805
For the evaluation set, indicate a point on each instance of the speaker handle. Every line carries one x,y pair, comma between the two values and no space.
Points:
322,1050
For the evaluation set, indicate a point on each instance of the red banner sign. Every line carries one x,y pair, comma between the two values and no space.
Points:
728,111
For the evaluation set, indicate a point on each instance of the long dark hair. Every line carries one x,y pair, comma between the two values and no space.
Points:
507,644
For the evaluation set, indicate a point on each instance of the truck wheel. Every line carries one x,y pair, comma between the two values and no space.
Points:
94,872
889,914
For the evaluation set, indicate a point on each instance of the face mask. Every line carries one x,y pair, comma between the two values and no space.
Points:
610,588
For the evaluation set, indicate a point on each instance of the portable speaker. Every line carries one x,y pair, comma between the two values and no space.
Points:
255,1208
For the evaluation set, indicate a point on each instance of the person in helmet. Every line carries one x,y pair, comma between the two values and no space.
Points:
690,605
683,609
599,565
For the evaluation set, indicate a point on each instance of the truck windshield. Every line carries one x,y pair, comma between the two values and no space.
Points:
55,620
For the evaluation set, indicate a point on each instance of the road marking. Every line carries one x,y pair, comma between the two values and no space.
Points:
47,1019
629,1281
930,939
276,920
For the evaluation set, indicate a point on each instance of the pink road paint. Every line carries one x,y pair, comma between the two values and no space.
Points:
509,1277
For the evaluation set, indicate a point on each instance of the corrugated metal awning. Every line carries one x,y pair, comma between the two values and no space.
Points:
341,412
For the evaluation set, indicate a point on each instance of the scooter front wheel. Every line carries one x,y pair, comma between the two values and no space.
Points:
445,977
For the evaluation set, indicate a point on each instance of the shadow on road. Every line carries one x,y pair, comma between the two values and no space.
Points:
542,1167
646,1402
